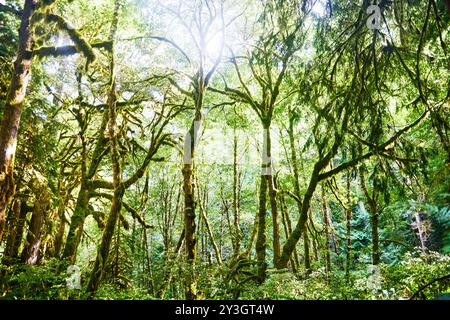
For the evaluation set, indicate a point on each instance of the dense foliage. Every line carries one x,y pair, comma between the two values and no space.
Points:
224,149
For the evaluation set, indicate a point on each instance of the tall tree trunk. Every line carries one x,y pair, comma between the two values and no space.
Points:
203,213
13,223
77,224
261,231
119,189
59,239
275,223
31,251
237,229
420,229
314,180
373,218
291,242
9,126
252,237
348,218
24,209
315,246
326,231
267,186
295,171
189,205
306,250
116,203
262,210
81,208
288,229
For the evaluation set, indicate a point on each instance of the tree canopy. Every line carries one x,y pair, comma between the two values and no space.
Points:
224,149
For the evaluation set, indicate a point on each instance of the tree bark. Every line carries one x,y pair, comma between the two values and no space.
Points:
119,188
9,126
373,218
237,229
81,208
208,227
348,218
31,251
267,187
13,223
326,231
77,224
291,242
261,231
288,229
189,210
275,223
252,237
306,250
295,171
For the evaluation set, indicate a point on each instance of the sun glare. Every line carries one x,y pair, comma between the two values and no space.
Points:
319,9
214,47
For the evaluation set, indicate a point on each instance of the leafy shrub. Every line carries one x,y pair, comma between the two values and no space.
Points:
41,282
417,270
111,292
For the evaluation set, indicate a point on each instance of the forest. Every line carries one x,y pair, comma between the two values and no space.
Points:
224,150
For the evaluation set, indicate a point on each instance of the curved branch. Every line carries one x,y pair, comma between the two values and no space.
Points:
428,284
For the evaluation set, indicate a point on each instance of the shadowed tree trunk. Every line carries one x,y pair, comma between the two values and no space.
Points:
32,248
267,188
295,171
203,211
76,225
16,239
306,251
59,238
326,226
237,229
275,222
373,218
199,84
9,126
252,237
189,198
291,242
86,187
261,231
348,218
288,229
119,189
15,225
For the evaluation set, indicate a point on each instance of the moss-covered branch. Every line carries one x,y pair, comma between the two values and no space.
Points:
81,45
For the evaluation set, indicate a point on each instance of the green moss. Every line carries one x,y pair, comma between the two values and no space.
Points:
80,43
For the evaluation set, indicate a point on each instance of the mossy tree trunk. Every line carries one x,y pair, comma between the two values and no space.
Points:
373,210
189,200
16,223
315,178
237,229
32,248
9,126
86,187
288,229
295,171
326,227
199,84
272,197
261,231
119,188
